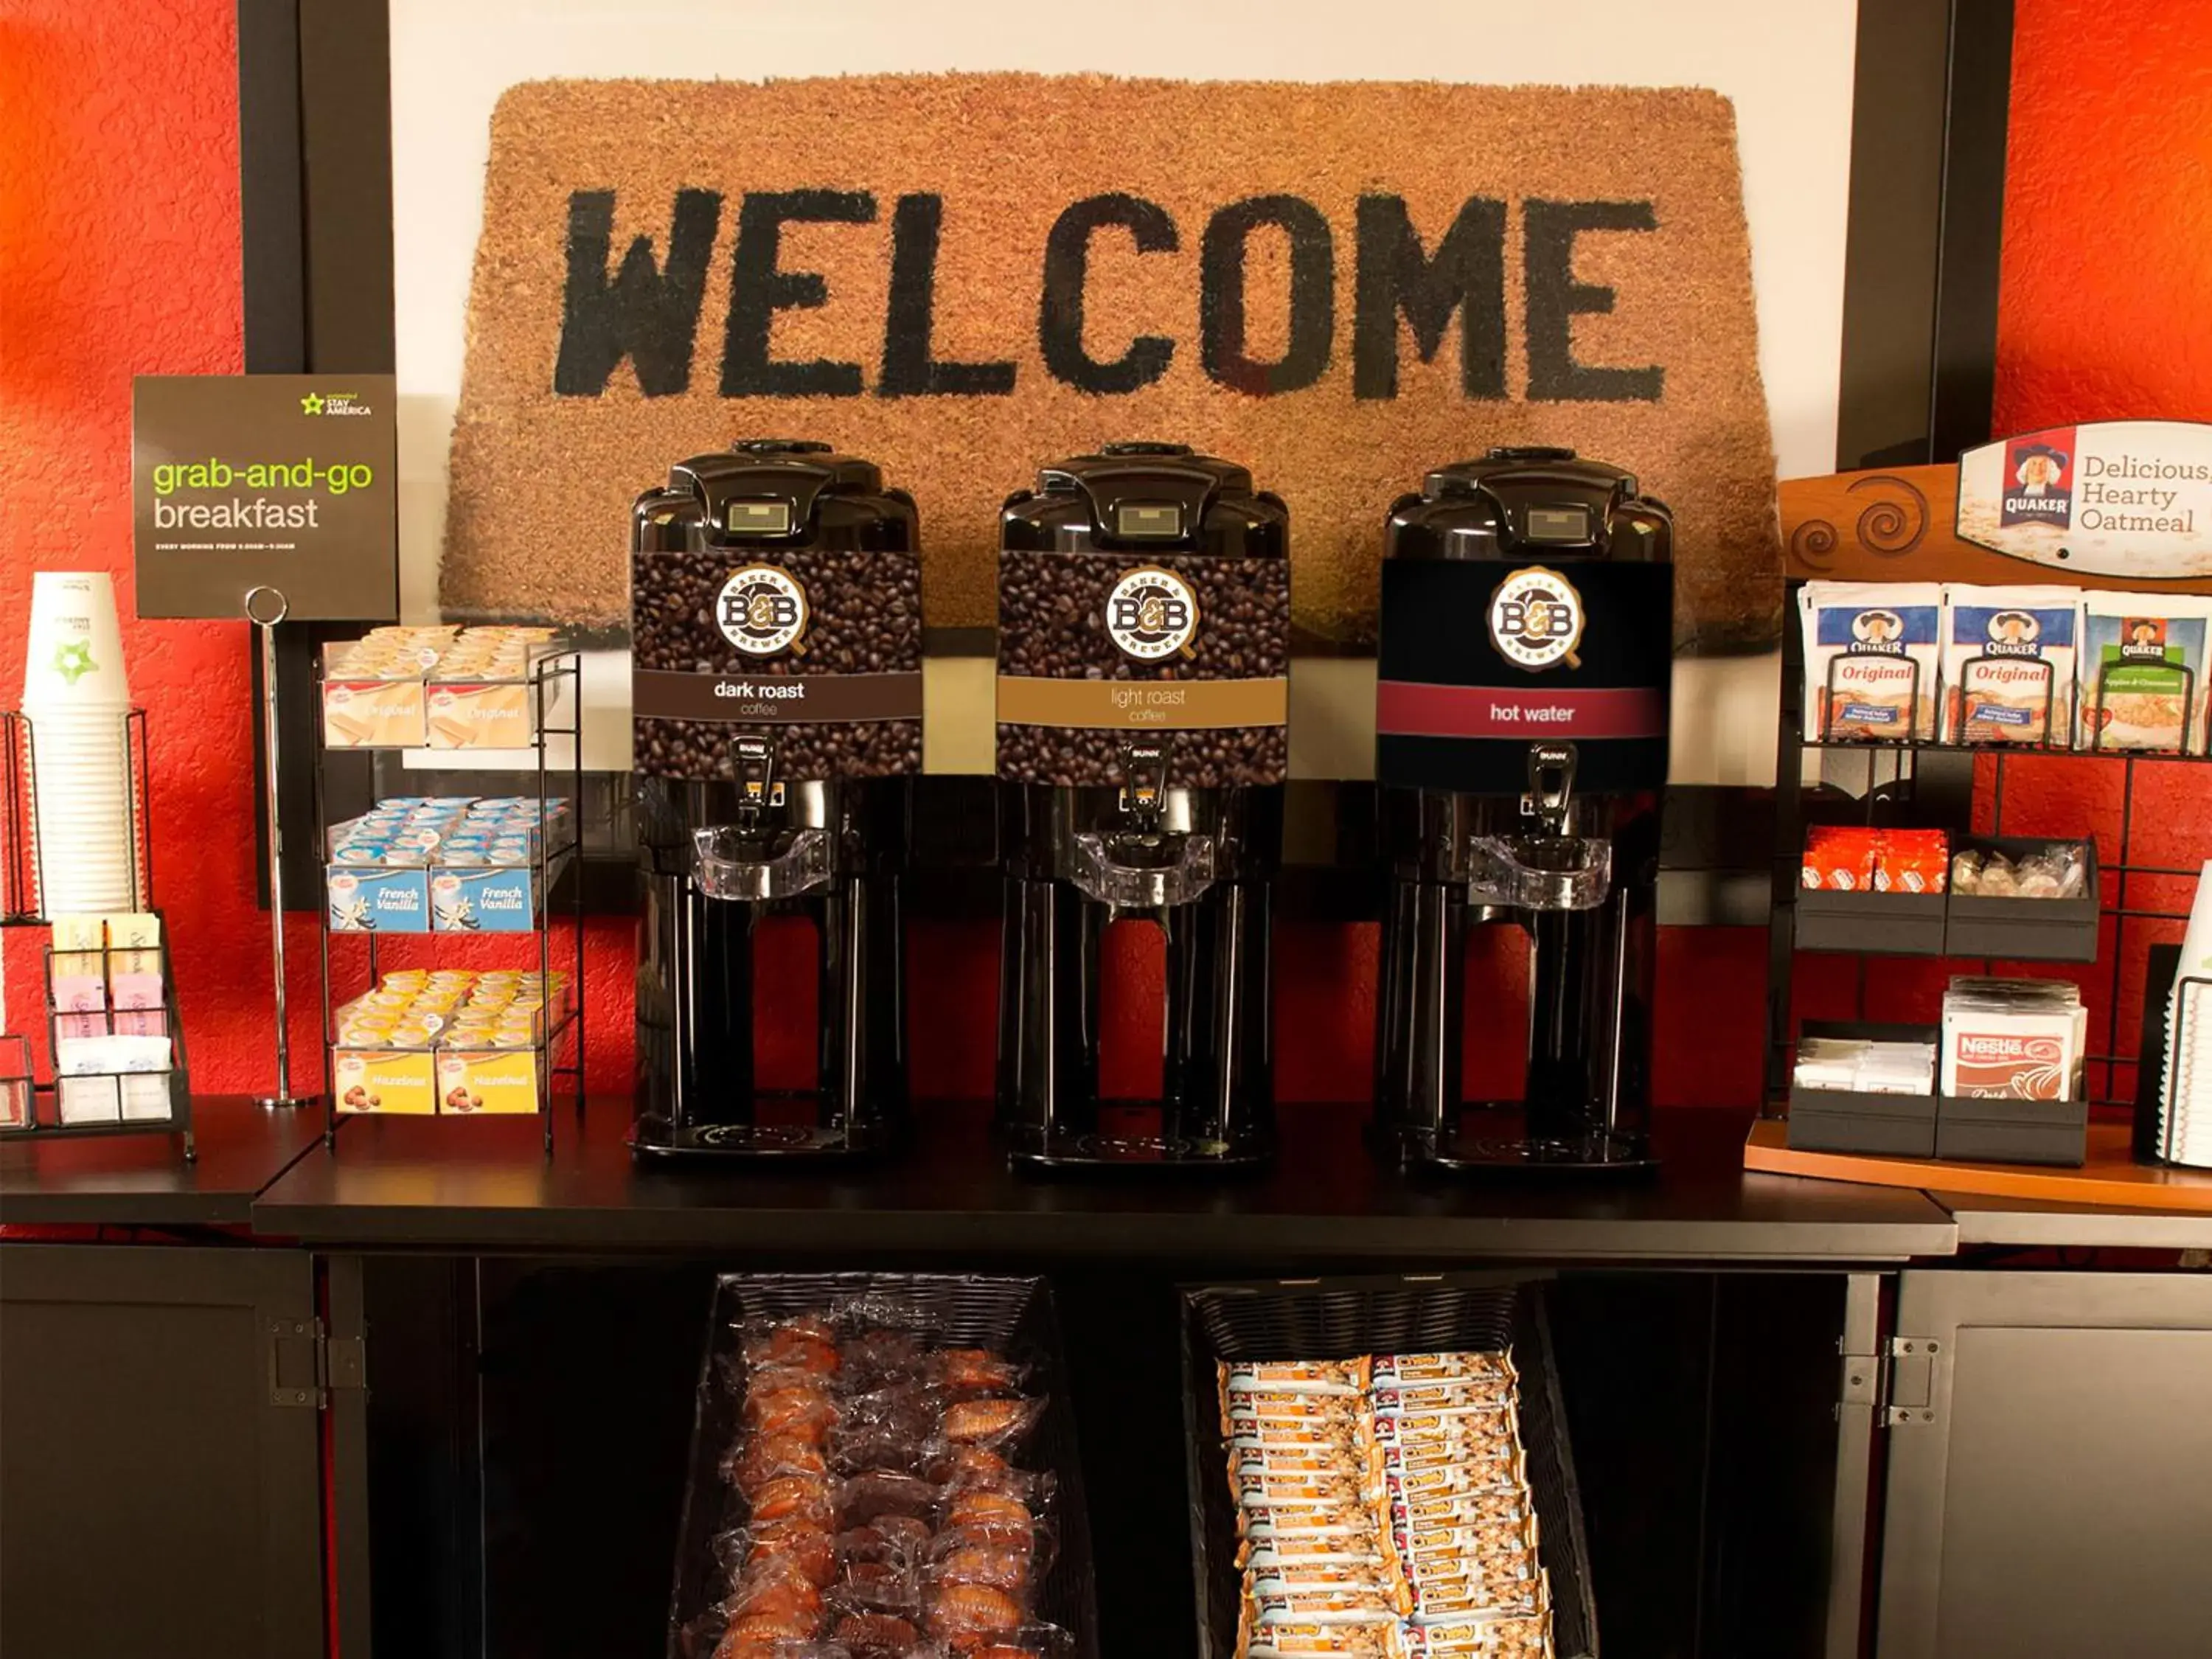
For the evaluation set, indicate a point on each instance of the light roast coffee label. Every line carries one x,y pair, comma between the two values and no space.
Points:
1098,649
818,650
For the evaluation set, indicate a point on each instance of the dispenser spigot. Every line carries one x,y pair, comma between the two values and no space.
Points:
1144,780
759,789
1551,785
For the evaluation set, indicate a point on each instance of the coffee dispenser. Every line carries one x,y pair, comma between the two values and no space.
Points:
776,617
1521,749
1144,622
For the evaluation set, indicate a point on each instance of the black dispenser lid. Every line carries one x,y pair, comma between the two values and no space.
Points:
769,491
1518,501
1135,497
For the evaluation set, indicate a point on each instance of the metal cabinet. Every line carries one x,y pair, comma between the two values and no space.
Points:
160,1463
2049,1481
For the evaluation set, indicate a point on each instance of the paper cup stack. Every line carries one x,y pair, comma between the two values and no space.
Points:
78,701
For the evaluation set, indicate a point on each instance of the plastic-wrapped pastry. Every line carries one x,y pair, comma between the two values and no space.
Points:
876,1636
994,1424
970,1614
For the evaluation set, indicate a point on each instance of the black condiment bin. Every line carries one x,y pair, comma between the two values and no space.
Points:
1849,1120
1013,1315
2025,929
1870,924
2000,1129
1341,1318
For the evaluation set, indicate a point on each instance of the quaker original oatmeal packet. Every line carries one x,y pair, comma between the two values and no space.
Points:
2007,666
1872,659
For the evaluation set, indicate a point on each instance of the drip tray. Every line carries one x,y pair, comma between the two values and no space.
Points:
1134,1138
656,1137
1494,1140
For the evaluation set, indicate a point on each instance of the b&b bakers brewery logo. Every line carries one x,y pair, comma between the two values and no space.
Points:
1151,613
2039,480
761,610
1536,619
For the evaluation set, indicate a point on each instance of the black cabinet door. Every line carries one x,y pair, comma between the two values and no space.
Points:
2050,1485
159,1502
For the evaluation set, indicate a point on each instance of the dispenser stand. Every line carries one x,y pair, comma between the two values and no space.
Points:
265,607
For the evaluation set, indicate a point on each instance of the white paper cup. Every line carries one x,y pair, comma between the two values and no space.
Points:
74,656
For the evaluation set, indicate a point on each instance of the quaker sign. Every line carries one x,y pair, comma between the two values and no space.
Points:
286,481
2130,500
1338,284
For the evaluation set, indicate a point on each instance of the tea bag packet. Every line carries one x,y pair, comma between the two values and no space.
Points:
2009,664
2143,670
1872,656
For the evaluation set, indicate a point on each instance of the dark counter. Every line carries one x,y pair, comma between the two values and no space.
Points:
437,1182
143,1181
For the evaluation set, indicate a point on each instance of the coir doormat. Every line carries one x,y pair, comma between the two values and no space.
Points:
961,276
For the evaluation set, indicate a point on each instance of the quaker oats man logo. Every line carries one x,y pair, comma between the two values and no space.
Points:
1536,619
1152,615
1878,630
2013,631
761,610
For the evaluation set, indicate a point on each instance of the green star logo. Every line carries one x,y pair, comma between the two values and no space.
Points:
73,661
311,403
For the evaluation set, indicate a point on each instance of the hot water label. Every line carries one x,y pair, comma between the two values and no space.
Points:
1478,659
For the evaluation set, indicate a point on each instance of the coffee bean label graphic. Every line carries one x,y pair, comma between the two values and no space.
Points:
1536,619
761,610
1152,615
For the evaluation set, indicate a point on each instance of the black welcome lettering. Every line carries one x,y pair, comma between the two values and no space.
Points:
1555,299
1466,275
647,313
910,321
1068,268
758,289
1221,295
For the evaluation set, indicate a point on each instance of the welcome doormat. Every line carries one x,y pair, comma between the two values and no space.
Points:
1341,284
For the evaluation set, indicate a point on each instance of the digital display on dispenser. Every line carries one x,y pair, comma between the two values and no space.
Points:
1559,524
1135,519
758,517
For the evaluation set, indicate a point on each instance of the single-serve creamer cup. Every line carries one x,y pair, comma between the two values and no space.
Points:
74,657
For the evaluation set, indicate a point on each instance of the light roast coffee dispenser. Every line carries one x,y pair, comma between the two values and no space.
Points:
775,617
1521,748
1144,643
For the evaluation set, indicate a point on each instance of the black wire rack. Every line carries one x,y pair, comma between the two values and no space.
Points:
1922,784
554,686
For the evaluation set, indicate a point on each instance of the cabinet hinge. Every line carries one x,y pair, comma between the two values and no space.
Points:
1908,1399
306,1363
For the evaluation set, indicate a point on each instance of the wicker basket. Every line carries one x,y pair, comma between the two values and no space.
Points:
1014,1315
1339,1319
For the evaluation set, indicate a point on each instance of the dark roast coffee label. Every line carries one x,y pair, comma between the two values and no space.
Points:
1098,649
818,650
1479,660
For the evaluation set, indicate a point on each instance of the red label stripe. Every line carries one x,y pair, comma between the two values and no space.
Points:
1407,709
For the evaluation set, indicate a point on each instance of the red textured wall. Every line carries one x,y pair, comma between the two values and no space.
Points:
118,255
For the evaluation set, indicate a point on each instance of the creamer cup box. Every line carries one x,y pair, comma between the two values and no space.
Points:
479,716
374,713
377,900
1872,659
2008,659
473,1082
481,901
378,1081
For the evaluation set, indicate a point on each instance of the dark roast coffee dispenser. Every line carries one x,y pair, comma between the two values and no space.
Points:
1143,629
1521,749
775,619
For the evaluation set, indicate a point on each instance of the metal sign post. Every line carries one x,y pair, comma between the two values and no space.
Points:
265,607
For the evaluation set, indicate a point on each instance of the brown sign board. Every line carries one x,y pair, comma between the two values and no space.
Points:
281,481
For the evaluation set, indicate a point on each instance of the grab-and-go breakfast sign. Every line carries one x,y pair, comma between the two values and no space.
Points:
2125,499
